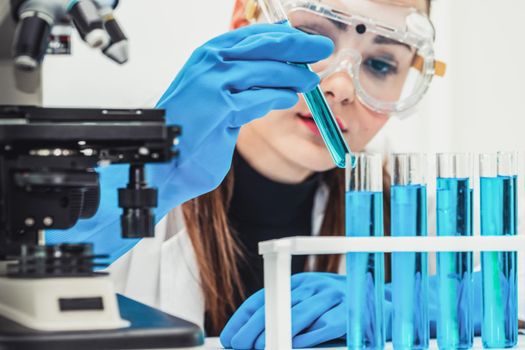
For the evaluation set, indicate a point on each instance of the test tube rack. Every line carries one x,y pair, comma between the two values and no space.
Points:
277,255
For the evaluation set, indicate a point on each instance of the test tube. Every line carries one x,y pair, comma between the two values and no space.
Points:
409,270
315,99
365,271
454,218
498,181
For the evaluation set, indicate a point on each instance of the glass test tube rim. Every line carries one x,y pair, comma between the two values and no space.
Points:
501,163
364,172
408,168
455,165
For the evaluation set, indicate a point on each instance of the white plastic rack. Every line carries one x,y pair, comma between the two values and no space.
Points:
277,256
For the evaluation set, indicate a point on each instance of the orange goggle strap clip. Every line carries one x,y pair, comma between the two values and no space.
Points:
440,67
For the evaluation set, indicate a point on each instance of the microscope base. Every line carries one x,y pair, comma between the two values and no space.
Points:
61,304
149,329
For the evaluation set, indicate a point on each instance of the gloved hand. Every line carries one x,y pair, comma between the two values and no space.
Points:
318,314
228,82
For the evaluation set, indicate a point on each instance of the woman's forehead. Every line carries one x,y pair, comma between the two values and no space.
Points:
421,5
389,12
417,4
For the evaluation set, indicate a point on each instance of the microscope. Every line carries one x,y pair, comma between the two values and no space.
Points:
56,297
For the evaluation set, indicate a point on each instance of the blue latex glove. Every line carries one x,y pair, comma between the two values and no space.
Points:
228,82
318,314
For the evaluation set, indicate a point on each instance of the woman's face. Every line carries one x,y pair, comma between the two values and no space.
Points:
294,136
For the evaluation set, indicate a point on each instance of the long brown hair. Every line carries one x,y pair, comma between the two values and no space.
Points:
217,251
219,255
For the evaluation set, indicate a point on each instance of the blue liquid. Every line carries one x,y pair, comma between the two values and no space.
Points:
409,270
325,121
365,273
454,218
500,299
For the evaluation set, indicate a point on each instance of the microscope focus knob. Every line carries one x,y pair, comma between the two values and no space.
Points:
138,219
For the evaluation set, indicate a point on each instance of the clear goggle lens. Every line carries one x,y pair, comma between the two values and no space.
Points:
389,74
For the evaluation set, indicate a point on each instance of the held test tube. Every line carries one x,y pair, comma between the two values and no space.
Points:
315,99
498,181
409,270
365,271
454,270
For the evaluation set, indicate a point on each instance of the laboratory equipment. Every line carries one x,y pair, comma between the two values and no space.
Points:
277,256
409,270
454,270
365,271
315,99
38,21
50,295
318,311
368,38
327,124
48,182
498,203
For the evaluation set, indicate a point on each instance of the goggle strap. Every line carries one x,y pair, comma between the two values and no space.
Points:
440,67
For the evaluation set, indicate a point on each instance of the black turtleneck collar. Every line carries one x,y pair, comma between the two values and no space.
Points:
261,203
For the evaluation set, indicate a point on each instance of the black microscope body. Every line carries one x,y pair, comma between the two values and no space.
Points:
48,180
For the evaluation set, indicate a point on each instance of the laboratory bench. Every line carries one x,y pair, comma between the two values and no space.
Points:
214,344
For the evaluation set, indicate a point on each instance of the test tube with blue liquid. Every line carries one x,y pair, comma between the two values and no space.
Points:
498,202
315,99
365,271
454,270
408,217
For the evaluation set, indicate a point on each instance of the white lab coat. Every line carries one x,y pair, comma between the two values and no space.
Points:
162,272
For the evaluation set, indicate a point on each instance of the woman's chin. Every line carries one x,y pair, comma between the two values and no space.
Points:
313,156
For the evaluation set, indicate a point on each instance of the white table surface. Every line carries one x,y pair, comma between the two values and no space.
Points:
214,344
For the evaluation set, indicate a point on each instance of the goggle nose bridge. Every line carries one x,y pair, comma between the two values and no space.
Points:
347,60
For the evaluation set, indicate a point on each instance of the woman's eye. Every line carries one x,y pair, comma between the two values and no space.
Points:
380,68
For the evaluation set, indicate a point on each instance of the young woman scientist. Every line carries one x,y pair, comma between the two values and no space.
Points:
271,178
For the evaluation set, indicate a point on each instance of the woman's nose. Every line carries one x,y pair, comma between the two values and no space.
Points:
339,88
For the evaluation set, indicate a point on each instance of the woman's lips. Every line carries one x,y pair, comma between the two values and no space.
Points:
308,120
310,124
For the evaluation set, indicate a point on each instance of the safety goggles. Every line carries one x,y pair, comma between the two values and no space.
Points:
387,50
